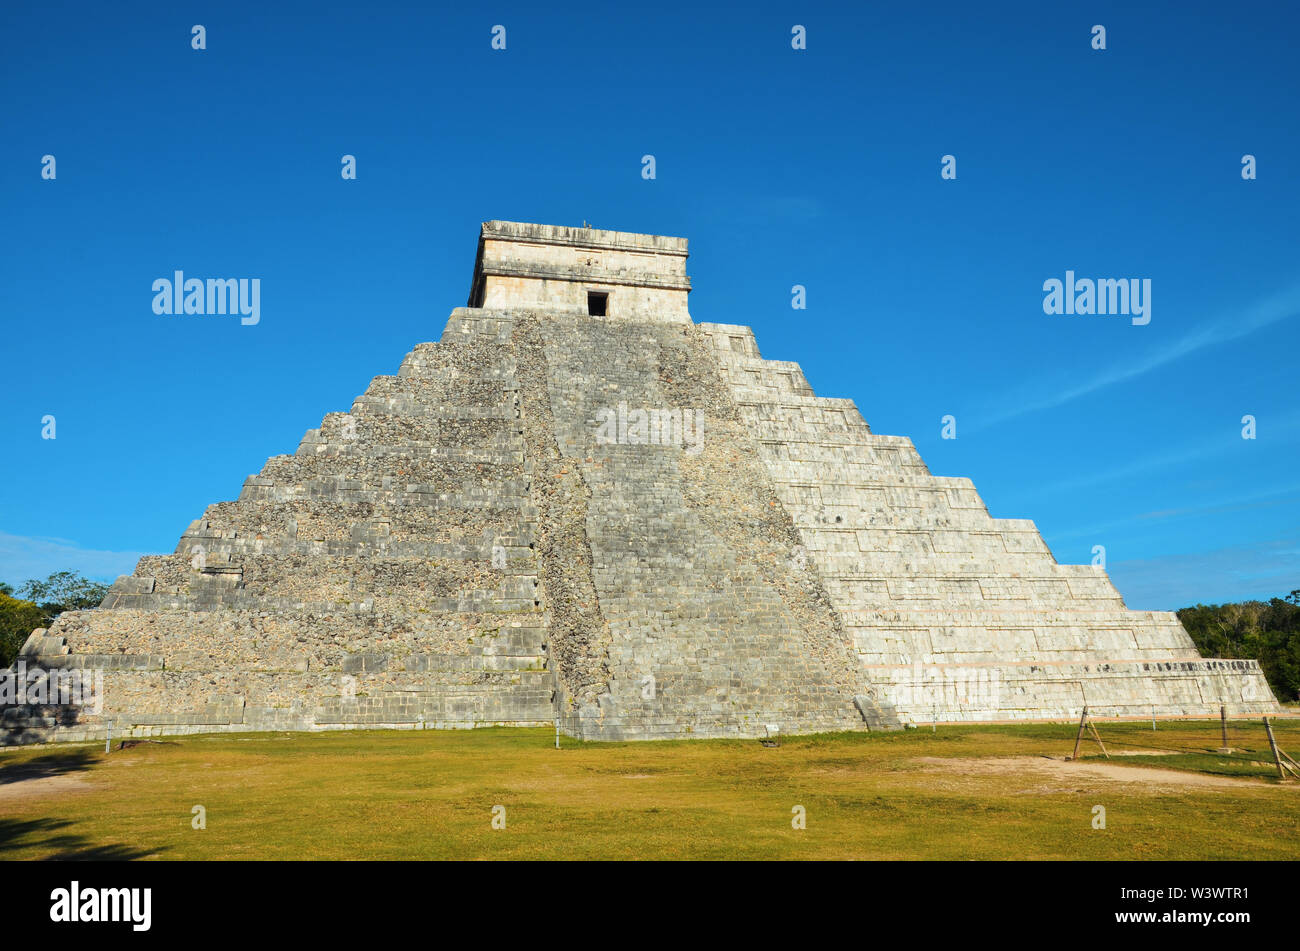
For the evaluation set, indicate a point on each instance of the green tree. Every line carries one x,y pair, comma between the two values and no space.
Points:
63,591
1266,631
17,621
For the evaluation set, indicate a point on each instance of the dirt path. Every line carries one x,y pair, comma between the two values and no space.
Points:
40,787
1068,772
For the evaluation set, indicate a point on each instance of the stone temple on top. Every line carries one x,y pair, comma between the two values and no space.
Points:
581,507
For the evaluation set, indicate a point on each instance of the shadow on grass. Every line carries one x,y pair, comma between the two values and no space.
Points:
53,837
49,764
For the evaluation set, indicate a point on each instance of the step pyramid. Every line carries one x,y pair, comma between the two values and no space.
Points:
579,507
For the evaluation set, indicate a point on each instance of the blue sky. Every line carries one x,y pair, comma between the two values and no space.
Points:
817,167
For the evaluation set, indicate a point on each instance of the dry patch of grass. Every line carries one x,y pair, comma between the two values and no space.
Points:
1094,772
963,792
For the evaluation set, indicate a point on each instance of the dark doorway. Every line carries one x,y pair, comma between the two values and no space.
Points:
597,303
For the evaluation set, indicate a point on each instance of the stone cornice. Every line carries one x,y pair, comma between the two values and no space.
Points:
585,275
593,238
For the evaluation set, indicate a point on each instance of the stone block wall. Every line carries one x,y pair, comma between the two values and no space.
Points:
954,613
384,574
523,265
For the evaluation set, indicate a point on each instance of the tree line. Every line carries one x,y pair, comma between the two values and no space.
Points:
1266,631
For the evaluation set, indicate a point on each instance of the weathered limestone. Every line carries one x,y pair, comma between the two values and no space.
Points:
956,615
692,592
383,575
468,546
521,265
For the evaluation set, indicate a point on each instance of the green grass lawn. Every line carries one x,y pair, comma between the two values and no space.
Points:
965,792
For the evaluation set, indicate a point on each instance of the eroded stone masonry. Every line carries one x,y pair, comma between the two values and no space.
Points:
470,546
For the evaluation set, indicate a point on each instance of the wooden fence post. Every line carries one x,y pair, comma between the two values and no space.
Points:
1083,720
1272,744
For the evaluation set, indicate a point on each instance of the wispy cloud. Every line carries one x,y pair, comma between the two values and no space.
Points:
1283,428
1239,505
1049,394
1265,498
23,557
1242,572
